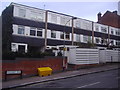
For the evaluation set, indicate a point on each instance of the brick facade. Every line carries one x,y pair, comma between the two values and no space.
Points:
74,67
110,18
29,66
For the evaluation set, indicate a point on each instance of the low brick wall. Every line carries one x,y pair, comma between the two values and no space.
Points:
29,66
74,67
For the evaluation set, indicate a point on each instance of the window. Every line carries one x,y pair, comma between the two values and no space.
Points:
103,41
40,16
118,43
54,18
32,31
61,35
78,24
21,48
112,42
21,30
119,33
39,32
36,16
33,15
97,40
77,38
96,28
13,47
22,12
116,32
89,39
53,34
67,36
62,20
103,29
112,31
85,38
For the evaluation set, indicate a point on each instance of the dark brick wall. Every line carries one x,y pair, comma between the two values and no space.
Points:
29,66
111,19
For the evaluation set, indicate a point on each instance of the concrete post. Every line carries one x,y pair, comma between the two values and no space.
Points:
46,19
92,32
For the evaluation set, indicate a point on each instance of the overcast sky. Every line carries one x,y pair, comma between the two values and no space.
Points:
85,10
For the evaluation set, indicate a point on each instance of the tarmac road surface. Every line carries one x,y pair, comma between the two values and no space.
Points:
107,79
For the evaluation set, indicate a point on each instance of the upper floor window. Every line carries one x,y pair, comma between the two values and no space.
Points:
39,32
53,34
22,12
103,41
77,38
61,35
21,30
117,32
36,31
62,20
40,16
118,43
54,18
33,15
36,16
85,38
97,40
96,28
32,31
112,42
77,24
103,29
67,36
112,31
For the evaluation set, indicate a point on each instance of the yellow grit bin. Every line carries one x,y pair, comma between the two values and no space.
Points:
44,71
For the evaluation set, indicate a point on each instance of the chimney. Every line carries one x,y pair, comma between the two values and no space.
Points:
99,16
115,12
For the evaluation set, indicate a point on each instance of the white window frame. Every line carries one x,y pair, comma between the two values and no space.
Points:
103,29
20,27
66,36
78,37
15,49
39,30
97,28
85,38
54,18
96,40
53,34
22,12
62,33
33,29
112,31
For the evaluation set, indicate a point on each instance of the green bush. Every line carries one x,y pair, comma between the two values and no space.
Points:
13,55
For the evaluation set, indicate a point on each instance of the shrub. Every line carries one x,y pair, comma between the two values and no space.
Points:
13,55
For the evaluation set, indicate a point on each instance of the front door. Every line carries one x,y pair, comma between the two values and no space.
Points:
21,48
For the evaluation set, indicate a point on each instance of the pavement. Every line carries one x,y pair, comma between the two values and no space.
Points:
57,76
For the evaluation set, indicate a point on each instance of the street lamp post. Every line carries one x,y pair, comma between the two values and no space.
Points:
64,40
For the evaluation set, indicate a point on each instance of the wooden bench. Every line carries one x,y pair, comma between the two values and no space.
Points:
19,72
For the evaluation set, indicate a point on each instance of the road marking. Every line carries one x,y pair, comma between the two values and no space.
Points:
89,85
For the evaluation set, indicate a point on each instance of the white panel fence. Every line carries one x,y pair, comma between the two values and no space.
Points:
83,56
109,56
92,56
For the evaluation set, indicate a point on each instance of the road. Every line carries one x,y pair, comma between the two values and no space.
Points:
107,79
